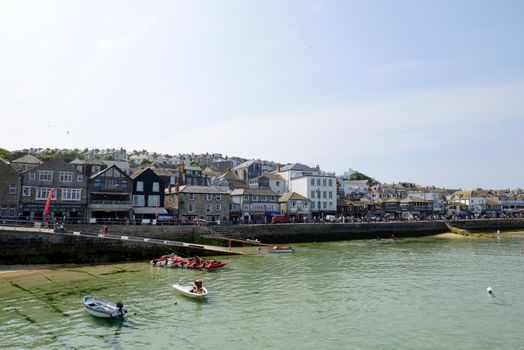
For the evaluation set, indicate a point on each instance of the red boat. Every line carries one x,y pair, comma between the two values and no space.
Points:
172,260
278,249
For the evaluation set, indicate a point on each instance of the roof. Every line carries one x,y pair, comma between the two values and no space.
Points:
276,177
4,161
255,191
196,189
122,165
295,166
106,169
27,159
245,164
416,200
139,172
95,162
77,162
292,196
149,210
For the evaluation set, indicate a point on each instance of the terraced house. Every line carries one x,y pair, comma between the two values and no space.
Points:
70,194
198,202
9,190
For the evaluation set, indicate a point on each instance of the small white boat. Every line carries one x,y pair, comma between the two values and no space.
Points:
188,290
103,308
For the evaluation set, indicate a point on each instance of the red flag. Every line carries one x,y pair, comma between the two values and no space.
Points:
48,201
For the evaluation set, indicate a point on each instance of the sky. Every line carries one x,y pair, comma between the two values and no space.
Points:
430,92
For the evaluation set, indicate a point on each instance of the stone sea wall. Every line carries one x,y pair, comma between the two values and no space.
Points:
41,248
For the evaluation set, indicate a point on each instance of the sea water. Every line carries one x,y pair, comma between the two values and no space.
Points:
424,293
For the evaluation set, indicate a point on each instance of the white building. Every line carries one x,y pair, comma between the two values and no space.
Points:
320,189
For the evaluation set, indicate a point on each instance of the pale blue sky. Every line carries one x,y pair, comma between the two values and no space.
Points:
422,91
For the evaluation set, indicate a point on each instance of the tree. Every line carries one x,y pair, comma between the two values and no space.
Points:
360,176
5,154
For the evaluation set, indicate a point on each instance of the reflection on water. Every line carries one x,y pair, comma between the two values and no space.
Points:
424,293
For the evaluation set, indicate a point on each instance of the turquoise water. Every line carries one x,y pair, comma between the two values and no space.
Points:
426,293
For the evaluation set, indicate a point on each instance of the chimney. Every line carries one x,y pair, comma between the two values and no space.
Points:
278,167
317,167
177,187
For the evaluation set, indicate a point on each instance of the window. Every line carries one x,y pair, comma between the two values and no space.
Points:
318,182
191,196
313,205
208,207
23,167
324,204
32,175
324,182
26,191
278,183
305,204
209,196
79,178
45,175
218,207
313,194
42,193
3,211
12,188
71,194
218,197
330,182
140,186
65,176
156,186
153,201
138,200
324,195
110,184
95,169
191,207
12,210
312,182
330,195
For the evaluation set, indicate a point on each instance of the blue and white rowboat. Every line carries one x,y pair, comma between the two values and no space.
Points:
103,308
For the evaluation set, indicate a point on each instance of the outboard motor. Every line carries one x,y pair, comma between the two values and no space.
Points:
120,307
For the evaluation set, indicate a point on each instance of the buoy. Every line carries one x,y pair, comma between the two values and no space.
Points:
489,290
175,303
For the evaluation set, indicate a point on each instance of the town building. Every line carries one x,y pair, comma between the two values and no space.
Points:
148,194
267,181
25,163
295,207
9,190
110,194
254,205
69,192
190,203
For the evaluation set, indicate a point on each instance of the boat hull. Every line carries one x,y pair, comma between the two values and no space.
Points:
102,308
187,290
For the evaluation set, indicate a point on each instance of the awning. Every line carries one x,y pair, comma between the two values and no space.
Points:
146,210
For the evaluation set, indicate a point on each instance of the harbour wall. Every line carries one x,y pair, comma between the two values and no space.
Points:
44,248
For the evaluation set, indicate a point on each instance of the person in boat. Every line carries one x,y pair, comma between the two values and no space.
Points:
197,286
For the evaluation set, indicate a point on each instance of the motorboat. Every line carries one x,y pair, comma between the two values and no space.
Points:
279,249
103,308
191,289
172,260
